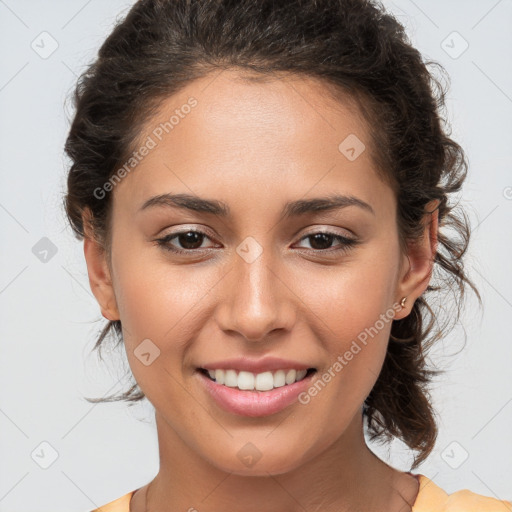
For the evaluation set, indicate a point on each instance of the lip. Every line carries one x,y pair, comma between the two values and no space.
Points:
264,364
254,403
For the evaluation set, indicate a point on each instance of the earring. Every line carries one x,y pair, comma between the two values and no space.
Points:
401,340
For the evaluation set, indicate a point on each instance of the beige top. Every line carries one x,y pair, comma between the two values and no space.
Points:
431,498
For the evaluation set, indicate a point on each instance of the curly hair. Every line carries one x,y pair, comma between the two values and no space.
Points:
355,48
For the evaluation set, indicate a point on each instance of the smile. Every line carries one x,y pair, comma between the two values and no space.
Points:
248,381
255,402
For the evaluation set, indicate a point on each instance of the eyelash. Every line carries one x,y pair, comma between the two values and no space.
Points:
347,243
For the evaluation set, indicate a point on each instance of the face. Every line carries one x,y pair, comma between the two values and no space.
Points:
318,287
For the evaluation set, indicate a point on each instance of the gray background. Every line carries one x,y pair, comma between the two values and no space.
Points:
50,319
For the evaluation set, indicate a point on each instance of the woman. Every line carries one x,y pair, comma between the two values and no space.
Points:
261,188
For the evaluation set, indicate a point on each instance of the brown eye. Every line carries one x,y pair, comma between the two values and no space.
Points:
322,242
189,241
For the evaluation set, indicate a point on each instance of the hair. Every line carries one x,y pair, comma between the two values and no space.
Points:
353,47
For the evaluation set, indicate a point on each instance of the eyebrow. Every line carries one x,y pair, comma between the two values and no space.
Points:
290,209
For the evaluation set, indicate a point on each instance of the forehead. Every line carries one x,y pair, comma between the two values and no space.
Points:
284,134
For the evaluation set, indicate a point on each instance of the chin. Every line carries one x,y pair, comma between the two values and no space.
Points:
249,461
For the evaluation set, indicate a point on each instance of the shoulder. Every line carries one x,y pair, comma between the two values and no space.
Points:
431,498
121,504
467,501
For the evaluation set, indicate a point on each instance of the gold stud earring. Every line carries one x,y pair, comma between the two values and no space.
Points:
402,302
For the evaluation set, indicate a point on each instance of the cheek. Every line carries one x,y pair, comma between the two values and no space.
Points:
154,297
353,297
354,316
162,303
156,303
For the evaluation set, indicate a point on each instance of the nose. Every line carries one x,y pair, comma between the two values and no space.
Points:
256,301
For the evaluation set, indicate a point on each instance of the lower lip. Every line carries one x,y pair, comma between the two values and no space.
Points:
255,403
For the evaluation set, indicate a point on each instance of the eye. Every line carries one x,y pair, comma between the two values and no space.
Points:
323,239
190,240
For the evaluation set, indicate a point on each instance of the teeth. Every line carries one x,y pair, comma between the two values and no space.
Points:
230,378
247,380
260,382
291,377
219,376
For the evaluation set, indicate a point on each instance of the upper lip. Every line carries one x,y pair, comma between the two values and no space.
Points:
261,365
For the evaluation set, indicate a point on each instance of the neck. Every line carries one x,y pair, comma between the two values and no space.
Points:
344,476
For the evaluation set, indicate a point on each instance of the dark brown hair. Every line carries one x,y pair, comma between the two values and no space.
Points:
353,47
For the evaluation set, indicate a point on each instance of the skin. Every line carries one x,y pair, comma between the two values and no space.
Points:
256,146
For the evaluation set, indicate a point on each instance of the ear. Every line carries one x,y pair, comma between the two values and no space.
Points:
99,273
418,263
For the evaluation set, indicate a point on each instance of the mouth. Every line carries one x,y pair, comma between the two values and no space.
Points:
257,382
254,402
